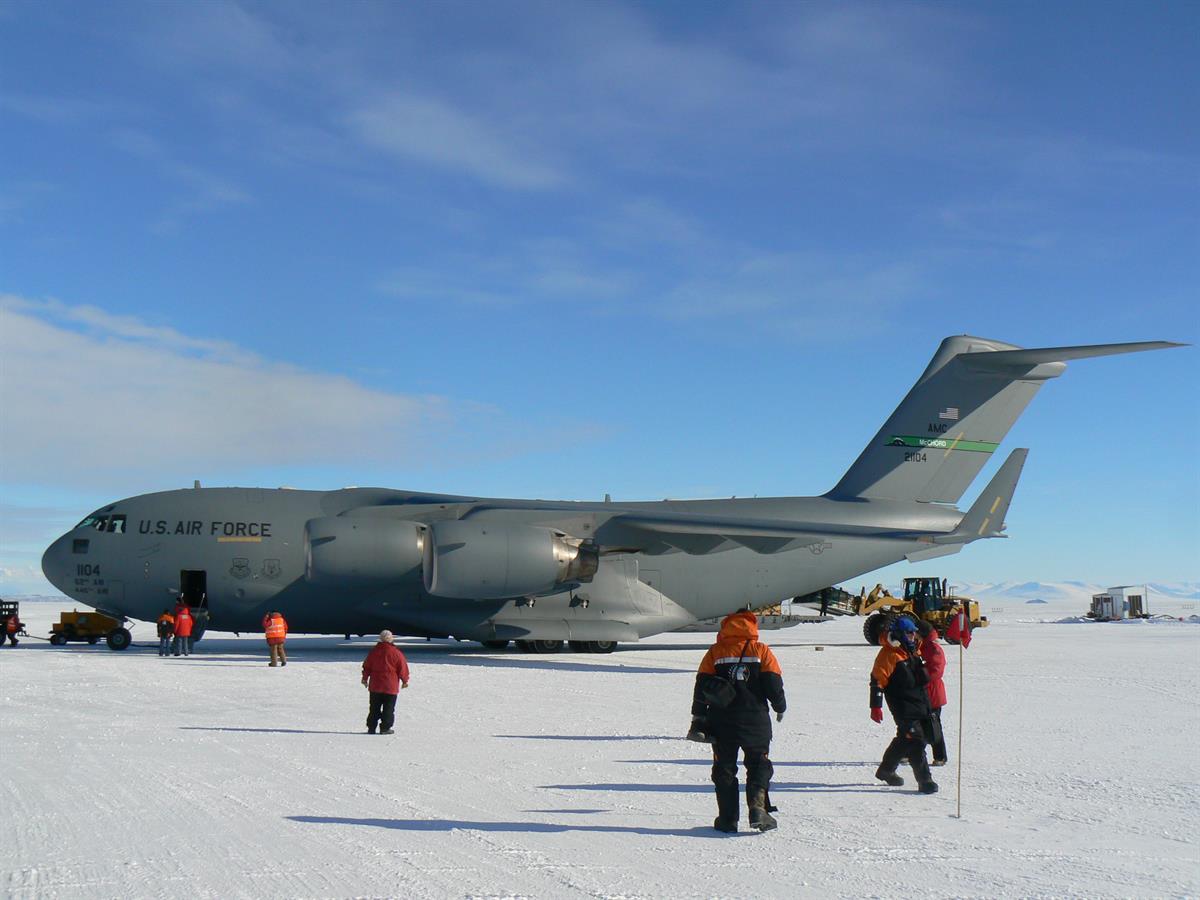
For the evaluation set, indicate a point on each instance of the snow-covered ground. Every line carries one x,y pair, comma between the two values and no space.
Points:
126,775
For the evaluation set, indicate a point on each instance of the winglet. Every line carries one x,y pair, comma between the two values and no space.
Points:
985,518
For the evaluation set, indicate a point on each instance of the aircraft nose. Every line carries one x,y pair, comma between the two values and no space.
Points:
56,563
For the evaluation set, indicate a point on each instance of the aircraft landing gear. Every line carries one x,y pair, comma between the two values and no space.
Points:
119,639
539,646
593,646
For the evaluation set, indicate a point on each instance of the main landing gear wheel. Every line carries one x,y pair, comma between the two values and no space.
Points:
119,639
539,646
495,645
593,646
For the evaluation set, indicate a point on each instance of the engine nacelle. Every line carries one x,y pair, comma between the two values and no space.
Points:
467,560
362,550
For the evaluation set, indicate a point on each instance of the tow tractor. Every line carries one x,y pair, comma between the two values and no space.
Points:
90,627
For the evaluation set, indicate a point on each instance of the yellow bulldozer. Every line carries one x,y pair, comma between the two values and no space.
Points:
924,599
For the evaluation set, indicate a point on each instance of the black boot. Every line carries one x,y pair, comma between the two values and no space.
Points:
920,767
727,808
760,819
890,777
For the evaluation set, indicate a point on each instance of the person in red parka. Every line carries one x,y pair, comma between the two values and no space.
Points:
183,631
275,629
384,674
935,668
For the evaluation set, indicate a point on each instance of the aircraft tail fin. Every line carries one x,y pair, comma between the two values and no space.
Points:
946,428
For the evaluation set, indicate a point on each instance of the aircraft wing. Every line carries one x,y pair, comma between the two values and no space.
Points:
700,534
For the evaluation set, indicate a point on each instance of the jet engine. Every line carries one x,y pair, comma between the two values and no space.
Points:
469,560
363,550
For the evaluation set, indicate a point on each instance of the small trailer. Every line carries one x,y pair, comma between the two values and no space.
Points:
90,627
1126,601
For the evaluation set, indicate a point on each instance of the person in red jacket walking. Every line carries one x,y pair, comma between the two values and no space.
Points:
275,628
384,674
935,668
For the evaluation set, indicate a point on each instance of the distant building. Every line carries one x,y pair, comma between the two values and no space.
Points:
1126,601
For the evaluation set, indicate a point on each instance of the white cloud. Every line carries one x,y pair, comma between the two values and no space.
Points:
62,111
218,34
117,400
696,279
435,133
206,191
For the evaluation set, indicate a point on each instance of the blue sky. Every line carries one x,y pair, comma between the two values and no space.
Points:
559,250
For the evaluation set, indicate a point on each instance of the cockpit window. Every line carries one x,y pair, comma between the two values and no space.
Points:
111,524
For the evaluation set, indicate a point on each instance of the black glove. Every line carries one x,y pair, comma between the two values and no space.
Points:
698,731
778,717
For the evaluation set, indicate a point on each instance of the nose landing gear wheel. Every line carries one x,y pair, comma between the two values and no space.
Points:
119,639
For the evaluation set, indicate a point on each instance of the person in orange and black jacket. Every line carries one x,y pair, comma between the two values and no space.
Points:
12,627
899,675
166,631
935,666
740,659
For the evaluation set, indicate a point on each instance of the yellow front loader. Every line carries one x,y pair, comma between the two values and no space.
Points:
924,599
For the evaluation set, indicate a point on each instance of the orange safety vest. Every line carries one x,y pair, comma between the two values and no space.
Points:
276,630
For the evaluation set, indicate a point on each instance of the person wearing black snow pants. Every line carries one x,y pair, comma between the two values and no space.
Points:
899,676
737,678
384,675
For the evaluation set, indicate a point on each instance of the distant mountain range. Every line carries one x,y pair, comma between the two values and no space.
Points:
1023,592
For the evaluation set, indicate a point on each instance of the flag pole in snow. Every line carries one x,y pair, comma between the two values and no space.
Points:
961,623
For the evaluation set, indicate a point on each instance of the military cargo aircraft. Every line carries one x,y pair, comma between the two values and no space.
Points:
589,573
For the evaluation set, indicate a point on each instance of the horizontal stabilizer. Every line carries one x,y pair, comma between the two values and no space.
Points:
985,518
1003,359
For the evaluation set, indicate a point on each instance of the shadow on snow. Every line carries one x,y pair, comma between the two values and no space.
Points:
777,787
446,825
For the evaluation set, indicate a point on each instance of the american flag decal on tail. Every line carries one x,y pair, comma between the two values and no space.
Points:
950,413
